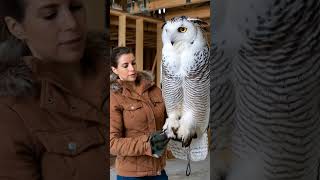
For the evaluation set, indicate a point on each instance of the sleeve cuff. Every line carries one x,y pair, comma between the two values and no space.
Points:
147,145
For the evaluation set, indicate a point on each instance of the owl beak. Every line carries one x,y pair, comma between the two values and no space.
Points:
172,42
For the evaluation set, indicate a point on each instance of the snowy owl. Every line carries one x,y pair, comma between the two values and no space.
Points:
185,79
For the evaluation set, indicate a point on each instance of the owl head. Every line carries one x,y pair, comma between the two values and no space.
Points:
182,29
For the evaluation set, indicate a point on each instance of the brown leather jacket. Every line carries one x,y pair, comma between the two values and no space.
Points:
47,131
133,117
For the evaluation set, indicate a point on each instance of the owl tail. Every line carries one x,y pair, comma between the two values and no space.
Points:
198,149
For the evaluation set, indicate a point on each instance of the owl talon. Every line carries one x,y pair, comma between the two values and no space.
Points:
186,142
174,130
171,127
164,130
195,136
186,133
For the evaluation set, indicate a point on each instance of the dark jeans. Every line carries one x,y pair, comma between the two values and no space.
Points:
163,176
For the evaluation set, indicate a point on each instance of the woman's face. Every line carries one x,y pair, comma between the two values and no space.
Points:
55,30
126,67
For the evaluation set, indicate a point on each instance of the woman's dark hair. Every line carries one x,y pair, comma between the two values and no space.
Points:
16,10
13,8
117,52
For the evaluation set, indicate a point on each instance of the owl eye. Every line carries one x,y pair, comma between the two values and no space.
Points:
182,29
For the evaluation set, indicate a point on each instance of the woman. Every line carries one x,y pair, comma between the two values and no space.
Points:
137,114
51,77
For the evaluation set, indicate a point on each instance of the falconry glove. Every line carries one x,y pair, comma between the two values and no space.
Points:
158,141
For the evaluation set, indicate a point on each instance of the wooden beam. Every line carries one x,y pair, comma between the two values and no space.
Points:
200,12
114,12
159,52
139,44
122,31
132,26
159,4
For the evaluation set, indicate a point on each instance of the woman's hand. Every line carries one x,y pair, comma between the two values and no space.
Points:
158,141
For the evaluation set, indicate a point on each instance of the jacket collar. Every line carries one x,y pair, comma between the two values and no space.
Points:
137,93
144,81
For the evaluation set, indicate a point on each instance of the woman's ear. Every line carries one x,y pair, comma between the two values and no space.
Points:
15,28
114,70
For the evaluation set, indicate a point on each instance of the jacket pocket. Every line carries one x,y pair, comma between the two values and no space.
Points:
158,103
71,142
135,118
156,100
132,106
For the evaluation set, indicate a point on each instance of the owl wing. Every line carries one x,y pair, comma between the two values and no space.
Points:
171,84
196,89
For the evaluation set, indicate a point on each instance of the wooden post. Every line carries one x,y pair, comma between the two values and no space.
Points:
122,31
139,44
159,52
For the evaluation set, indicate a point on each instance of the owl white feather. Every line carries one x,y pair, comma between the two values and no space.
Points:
185,79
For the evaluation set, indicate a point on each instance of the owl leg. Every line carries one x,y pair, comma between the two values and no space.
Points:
187,129
172,124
